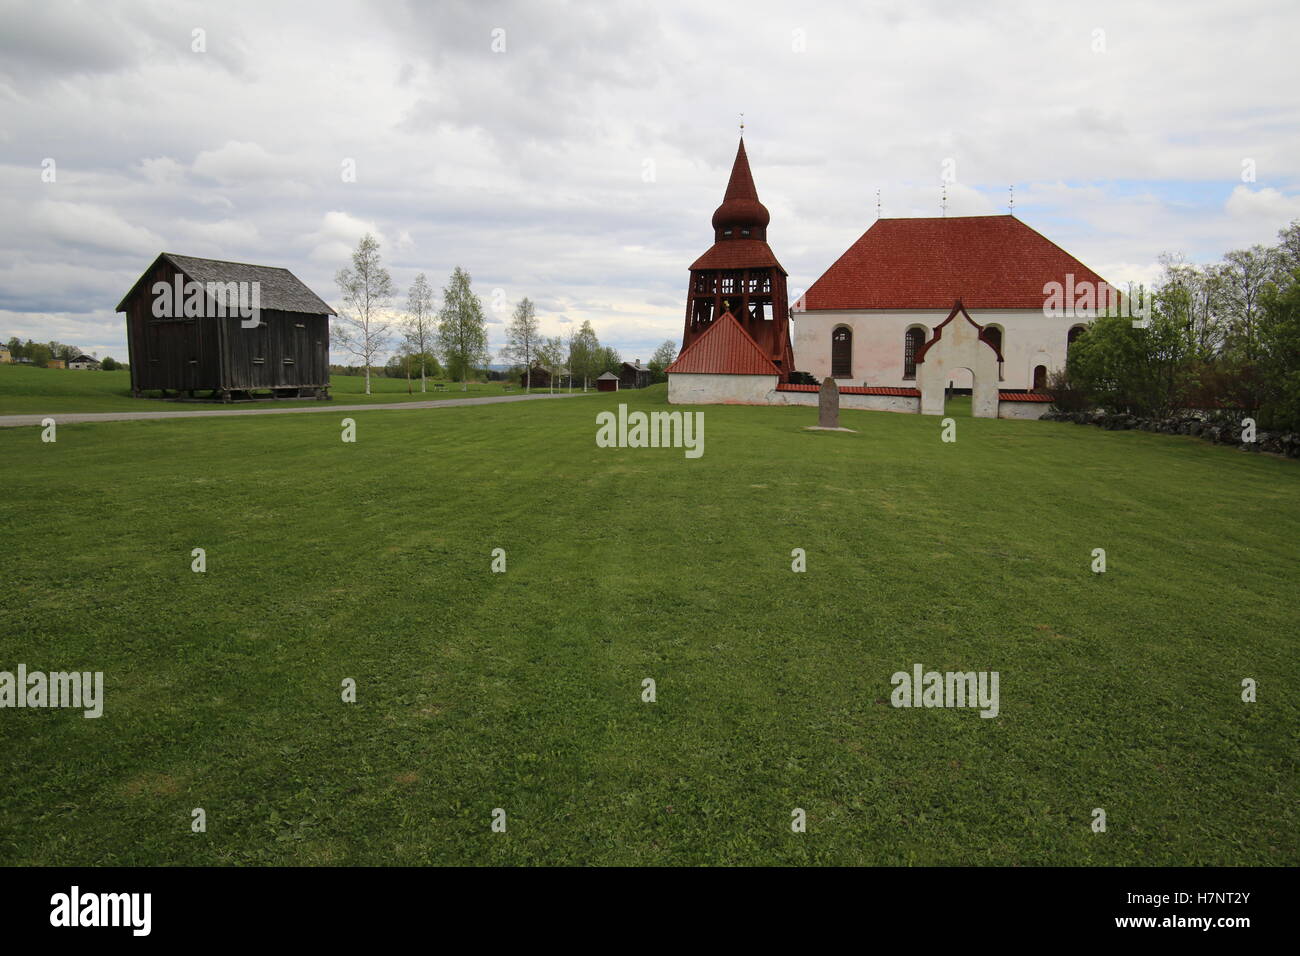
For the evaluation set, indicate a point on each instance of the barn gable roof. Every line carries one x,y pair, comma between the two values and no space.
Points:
278,288
724,348
989,262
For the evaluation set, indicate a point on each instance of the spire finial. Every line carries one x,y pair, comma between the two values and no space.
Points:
943,201
1012,204
742,125
877,203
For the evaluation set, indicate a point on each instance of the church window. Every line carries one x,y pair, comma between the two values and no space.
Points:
841,353
912,343
726,232
993,335
1072,336
728,284
1040,377
767,283
744,232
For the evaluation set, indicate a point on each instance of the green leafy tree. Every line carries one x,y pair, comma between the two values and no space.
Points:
1279,340
584,357
661,359
462,329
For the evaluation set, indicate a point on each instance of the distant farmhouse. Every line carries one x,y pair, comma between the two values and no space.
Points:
633,375
538,376
5,357
229,328
84,362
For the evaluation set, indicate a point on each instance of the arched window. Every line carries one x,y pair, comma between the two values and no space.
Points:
993,335
842,353
1040,377
1074,334
912,343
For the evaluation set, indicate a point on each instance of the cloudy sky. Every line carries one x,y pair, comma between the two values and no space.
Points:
574,152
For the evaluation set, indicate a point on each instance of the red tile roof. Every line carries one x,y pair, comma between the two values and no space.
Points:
857,390
724,348
738,254
989,262
1025,397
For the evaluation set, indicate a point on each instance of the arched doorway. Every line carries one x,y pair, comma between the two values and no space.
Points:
1040,377
960,391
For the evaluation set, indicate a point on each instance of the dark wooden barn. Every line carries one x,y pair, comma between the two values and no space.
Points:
633,375
229,328
540,377
608,382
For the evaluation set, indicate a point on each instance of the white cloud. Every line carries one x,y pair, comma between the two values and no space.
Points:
241,163
1266,205
83,224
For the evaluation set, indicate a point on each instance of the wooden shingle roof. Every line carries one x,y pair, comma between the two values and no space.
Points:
278,288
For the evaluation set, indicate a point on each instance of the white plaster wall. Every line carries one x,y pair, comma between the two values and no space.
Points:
1023,410
692,388
876,403
959,347
1028,338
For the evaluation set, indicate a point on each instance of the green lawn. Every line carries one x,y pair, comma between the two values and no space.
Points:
25,390
522,690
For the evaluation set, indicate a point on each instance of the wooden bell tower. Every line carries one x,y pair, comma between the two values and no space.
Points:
740,274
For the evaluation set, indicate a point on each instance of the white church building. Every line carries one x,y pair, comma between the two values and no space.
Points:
865,321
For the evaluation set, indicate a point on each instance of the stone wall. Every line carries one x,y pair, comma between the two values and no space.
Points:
1222,433
877,403
1022,410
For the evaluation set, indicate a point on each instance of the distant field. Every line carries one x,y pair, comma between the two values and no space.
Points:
523,690
26,390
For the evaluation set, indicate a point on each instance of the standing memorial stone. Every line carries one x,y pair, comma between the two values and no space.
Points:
828,404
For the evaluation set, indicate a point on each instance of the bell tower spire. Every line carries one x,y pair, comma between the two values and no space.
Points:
740,274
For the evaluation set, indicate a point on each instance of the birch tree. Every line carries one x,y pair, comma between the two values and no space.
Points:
551,354
361,327
418,327
522,339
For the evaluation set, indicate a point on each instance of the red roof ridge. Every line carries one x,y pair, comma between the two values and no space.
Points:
724,348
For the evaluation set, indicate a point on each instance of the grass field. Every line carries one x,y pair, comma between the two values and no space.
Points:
522,690
28,390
